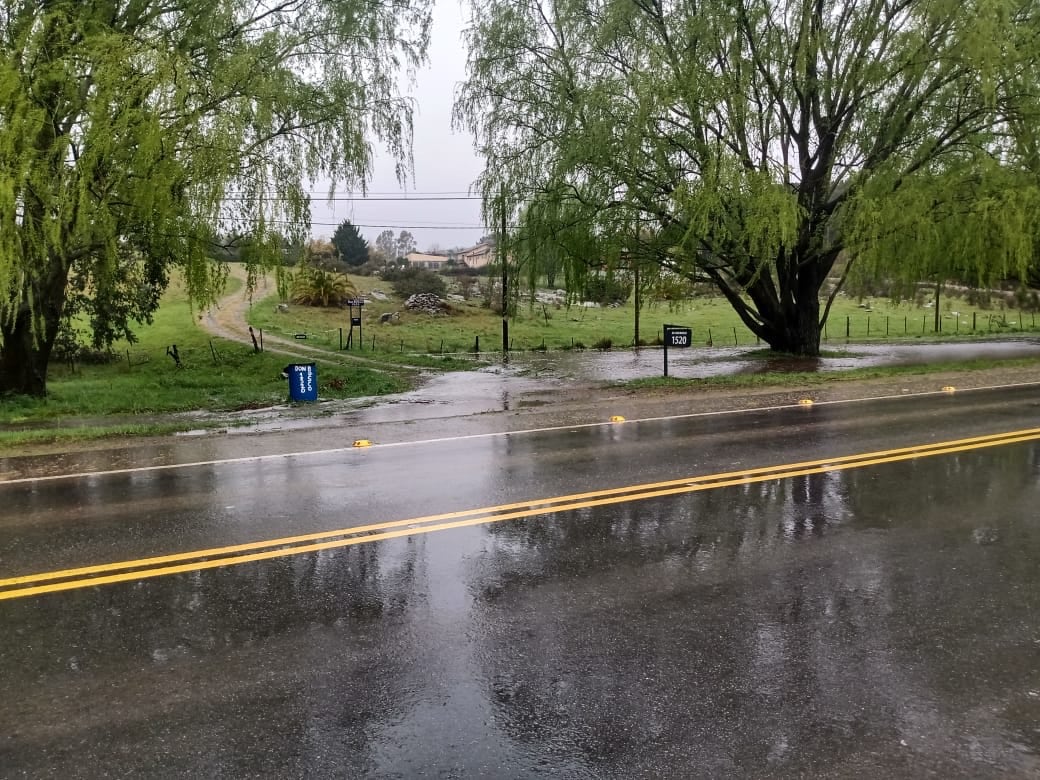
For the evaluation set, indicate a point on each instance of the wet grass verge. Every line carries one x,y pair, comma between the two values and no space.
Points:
144,379
40,437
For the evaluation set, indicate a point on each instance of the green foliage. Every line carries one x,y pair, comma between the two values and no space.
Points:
392,248
352,248
150,384
973,226
752,143
128,293
152,130
410,281
315,286
607,289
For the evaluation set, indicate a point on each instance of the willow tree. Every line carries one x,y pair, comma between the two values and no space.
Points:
134,132
762,139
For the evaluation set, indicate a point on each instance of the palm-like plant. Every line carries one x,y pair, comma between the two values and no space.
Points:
319,287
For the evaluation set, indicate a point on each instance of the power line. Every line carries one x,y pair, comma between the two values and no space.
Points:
359,224
356,195
367,199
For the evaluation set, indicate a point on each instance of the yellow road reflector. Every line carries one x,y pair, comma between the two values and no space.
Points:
806,402
362,443
617,418
949,389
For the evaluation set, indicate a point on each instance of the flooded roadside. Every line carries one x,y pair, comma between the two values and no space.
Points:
704,362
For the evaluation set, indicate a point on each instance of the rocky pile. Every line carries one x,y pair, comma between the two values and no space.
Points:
427,303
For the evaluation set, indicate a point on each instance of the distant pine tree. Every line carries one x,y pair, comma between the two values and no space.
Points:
352,248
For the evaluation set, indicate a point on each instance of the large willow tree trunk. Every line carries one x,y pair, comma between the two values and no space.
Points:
798,331
23,366
781,304
24,358
794,326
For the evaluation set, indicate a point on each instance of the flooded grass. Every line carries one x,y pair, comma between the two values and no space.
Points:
799,378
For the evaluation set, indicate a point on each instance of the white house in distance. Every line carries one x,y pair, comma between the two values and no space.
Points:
475,257
428,261
478,256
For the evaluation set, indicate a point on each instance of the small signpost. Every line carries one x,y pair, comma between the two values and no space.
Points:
676,337
355,305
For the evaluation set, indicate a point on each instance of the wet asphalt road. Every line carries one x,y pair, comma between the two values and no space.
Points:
877,620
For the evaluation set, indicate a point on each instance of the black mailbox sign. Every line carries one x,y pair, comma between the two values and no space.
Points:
678,337
675,337
355,305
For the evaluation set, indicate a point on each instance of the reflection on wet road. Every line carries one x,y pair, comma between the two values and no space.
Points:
815,622
199,560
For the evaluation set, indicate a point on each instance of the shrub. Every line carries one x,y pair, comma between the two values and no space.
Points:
319,287
410,281
605,290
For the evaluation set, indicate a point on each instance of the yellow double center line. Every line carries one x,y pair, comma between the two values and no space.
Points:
198,560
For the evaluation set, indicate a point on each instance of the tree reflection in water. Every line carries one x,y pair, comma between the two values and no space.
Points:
809,624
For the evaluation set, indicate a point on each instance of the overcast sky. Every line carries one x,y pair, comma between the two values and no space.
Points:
445,161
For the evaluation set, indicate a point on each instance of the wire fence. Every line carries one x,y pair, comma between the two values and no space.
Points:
865,327
846,329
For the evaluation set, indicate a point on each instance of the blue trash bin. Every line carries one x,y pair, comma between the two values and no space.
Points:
303,381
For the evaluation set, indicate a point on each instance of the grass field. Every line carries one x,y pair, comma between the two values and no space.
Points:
713,321
216,375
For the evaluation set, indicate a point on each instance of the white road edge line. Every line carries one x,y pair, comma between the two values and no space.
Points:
444,439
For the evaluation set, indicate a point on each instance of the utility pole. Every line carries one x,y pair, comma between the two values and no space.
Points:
938,292
634,256
505,275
